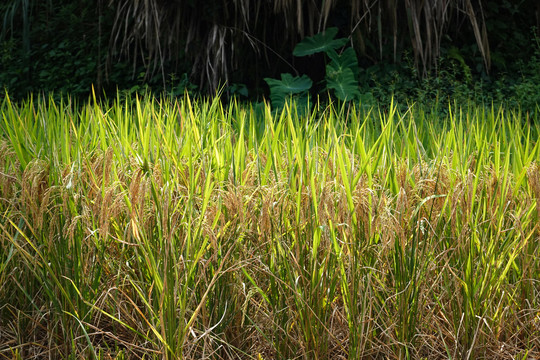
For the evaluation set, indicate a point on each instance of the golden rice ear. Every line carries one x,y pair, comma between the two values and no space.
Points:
96,165
35,182
402,205
533,177
325,204
383,222
6,153
10,173
249,175
157,175
107,166
437,186
232,203
362,196
402,173
105,212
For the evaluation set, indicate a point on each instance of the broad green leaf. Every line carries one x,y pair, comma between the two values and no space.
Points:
289,84
321,42
342,81
281,90
346,60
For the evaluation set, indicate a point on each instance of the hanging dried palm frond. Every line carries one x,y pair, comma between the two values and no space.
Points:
212,35
425,22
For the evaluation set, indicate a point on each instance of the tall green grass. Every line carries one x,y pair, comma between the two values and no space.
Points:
161,228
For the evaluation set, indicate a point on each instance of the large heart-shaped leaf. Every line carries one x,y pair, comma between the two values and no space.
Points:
289,85
343,82
346,60
322,42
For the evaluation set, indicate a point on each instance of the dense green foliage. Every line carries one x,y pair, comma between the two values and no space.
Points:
486,50
341,71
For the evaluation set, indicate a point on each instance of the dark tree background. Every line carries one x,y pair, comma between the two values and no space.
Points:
413,47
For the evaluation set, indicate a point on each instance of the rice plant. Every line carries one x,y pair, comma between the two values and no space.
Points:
188,228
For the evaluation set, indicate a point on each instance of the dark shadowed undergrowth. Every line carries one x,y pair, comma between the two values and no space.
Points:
188,229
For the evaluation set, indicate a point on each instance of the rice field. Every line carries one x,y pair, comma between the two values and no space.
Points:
155,228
